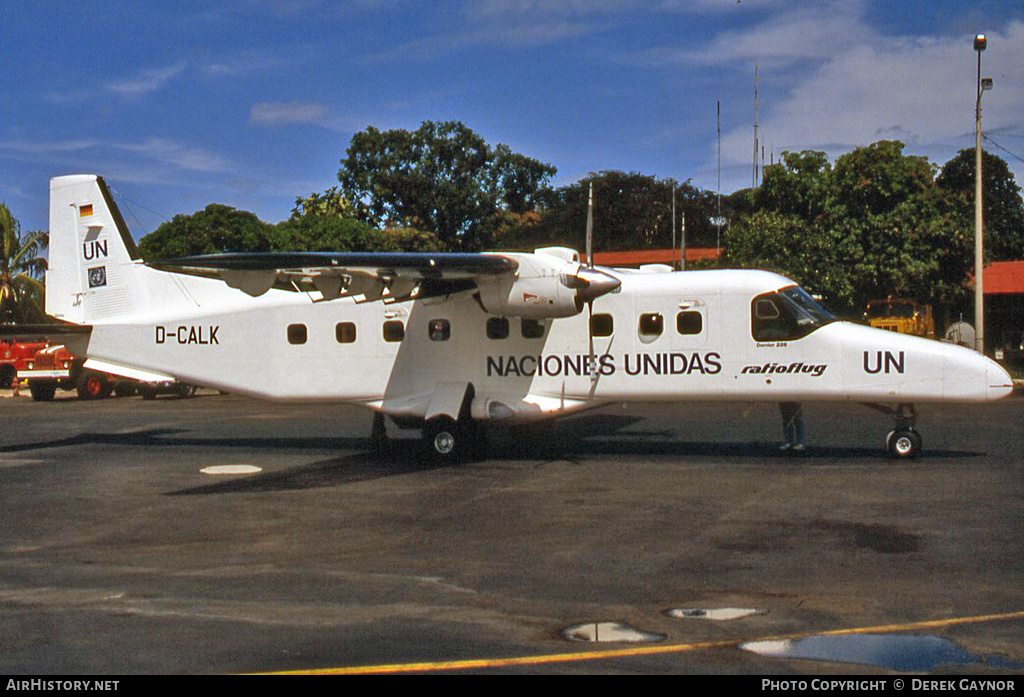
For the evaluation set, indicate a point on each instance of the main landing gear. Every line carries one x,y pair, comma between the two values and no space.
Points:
447,440
903,441
444,441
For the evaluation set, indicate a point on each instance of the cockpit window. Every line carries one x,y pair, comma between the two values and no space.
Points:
788,314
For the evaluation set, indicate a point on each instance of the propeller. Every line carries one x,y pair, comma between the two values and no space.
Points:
590,227
592,285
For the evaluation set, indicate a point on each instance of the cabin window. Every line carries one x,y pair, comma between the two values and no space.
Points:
497,328
439,329
296,333
689,322
532,329
788,314
602,325
345,332
652,324
394,330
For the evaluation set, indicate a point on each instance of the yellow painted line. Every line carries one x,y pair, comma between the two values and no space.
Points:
633,652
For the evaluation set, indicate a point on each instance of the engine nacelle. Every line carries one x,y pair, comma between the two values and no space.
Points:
539,290
549,283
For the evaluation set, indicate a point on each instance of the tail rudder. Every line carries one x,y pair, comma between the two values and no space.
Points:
92,254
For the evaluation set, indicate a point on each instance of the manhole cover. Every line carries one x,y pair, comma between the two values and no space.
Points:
718,614
231,469
611,632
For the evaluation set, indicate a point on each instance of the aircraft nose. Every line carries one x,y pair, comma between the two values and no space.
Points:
999,382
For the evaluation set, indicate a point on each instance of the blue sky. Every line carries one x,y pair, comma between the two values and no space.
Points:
253,102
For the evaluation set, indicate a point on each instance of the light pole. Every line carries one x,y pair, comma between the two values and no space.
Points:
980,42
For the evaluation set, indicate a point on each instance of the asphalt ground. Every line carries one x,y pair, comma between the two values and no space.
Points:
119,556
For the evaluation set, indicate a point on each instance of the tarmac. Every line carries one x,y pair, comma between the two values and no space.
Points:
650,527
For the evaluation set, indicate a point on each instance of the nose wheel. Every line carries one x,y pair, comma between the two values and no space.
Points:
903,444
903,441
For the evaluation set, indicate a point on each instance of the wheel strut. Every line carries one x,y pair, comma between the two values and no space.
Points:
904,441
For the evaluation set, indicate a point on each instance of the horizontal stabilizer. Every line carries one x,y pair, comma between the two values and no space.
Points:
34,330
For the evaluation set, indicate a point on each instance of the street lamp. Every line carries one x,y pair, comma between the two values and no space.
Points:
980,42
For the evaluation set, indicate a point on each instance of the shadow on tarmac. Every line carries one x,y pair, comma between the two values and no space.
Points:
570,440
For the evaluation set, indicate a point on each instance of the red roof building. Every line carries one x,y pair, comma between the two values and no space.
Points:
1004,306
654,256
1004,278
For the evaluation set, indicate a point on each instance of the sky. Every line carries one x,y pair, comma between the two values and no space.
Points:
251,103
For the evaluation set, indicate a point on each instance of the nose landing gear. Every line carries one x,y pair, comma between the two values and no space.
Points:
903,442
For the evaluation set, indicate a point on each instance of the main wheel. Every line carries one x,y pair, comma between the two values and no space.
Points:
446,440
903,444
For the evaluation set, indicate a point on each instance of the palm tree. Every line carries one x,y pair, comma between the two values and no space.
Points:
21,267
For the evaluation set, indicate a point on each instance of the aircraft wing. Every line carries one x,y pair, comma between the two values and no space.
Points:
374,276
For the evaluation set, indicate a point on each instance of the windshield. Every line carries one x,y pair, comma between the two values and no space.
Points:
807,309
791,313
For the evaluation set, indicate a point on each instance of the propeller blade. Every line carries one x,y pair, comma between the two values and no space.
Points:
590,227
593,358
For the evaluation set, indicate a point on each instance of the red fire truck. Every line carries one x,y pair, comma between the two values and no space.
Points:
53,367
15,355
47,368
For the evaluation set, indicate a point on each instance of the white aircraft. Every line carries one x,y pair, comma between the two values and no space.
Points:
450,342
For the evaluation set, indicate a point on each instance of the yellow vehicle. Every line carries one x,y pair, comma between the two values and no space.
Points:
901,315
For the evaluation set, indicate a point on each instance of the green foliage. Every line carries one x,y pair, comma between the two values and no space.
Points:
330,202
799,185
631,211
21,267
328,233
216,228
442,177
874,224
1003,207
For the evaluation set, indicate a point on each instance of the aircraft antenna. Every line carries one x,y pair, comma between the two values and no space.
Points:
674,266
718,215
756,80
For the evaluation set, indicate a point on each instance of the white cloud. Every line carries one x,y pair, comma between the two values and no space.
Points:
282,113
47,147
920,91
795,33
512,24
182,156
145,81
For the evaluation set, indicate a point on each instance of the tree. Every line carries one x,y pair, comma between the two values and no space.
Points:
873,180
216,228
1001,196
330,202
331,233
631,211
442,177
327,223
799,185
21,290
873,224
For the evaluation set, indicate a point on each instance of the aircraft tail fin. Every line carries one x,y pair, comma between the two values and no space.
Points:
93,258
